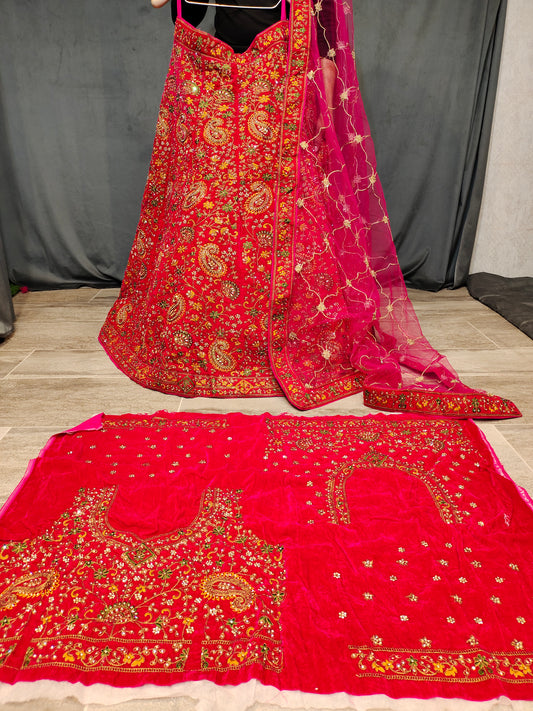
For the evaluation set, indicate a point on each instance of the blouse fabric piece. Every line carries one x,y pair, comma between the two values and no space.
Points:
263,262
378,555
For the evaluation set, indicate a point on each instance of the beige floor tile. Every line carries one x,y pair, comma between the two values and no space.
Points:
446,295
274,406
55,296
3,432
17,448
10,359
451,331
64,364
41,335
457,307
520,437
65,402
500,331
514,464
62,313
446,306
501,360
110,294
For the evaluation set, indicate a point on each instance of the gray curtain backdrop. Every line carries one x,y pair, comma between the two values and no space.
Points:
7,313
428,71
80,84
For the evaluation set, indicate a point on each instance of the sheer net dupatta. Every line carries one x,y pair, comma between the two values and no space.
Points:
341,320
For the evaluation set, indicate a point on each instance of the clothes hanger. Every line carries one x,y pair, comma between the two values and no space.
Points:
234,5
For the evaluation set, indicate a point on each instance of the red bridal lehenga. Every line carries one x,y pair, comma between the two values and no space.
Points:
263,263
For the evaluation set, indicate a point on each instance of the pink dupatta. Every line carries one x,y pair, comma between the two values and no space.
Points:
341,319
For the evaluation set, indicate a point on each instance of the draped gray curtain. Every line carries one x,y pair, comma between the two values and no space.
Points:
428,70
7,313
80,85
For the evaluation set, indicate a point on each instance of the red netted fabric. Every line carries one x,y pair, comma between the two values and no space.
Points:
381,555
264,262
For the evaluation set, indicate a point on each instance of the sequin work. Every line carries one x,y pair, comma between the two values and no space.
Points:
209,203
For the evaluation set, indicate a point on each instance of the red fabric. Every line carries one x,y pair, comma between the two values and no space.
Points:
379,555
263,262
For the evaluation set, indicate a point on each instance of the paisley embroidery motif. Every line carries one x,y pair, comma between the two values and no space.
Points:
183,339
123,313
163,128
261,86
29,585
186,233
215,133
194,195
139,243
219,356
259,127
230,289
260,200
177,308
190,88
210,261
182,132
143,271
223,96
229,586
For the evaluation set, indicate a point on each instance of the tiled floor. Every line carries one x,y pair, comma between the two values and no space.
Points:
54,375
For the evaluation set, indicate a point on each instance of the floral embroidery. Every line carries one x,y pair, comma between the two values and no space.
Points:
179,606
467,666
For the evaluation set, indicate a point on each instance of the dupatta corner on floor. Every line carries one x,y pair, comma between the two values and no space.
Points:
341,320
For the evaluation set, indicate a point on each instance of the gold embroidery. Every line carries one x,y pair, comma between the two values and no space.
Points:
210,262
182,132
123,313
259,127
29,585
177,308
194,195
229,586
190,87
215,133
184,339
219,357
139,243
223,96
186,233
163,128
261,86
230,289
472,665
119,613
260,200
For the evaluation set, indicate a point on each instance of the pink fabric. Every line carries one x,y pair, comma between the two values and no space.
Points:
348,306
378,555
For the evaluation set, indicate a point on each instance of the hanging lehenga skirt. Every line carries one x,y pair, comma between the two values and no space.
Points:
263,262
